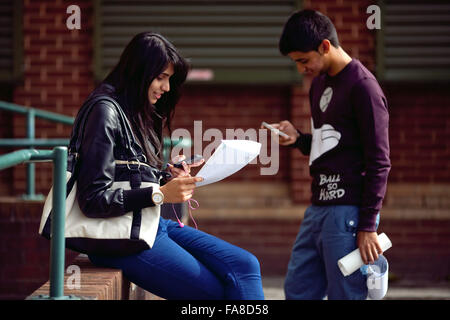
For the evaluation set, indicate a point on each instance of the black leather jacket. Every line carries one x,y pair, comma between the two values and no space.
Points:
106,139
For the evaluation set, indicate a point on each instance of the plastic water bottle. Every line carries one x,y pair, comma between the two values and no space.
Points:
352,262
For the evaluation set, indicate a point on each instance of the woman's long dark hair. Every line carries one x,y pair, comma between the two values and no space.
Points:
145,58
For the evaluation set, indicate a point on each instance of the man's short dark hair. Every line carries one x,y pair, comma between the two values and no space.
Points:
305,30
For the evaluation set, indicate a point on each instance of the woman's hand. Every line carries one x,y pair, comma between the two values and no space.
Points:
179,189
368,245
287,128
176,172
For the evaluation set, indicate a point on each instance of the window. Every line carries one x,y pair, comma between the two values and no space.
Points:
413,43
225,41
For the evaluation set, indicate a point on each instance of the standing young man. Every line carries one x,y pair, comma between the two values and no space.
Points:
348,157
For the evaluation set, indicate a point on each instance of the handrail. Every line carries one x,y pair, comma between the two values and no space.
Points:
47,115
57,241
30,141
33,142
20,156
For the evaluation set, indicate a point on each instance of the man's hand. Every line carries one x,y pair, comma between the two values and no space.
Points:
287,128
368,245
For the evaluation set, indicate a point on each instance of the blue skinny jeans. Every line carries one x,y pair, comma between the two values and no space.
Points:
186,263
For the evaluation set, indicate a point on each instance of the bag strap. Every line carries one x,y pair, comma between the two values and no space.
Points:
74,147
79,127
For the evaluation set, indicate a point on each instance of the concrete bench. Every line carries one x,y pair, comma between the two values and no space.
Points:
98,284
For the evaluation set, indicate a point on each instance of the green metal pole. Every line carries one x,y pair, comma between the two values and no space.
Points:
30,167
34,142
51,116
57,247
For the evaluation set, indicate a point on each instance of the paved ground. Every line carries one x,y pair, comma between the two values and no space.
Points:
273,290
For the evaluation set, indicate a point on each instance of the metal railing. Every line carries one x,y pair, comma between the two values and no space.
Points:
57,242
30,141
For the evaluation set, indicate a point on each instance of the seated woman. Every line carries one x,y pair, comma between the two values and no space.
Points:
182,263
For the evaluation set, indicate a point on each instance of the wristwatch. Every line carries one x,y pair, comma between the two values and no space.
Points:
157,197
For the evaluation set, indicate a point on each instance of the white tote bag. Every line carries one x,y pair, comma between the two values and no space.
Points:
122,235
105,236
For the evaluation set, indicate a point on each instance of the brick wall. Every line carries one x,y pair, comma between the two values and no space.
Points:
232,108
6,131
420,254
419,132
24,254
58,74
57,77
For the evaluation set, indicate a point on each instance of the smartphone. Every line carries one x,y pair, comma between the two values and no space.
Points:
194,159
274,130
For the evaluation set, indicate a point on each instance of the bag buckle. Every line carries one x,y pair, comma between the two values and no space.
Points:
137,162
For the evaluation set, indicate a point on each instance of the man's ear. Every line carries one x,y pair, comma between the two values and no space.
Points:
324,46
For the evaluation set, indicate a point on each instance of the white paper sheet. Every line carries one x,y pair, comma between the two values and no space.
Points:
230,156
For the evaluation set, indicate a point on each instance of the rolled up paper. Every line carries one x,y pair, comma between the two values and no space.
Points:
352,261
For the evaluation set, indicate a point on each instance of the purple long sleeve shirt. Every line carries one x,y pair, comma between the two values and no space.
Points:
349,144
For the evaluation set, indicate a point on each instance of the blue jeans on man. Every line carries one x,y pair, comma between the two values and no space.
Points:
326,234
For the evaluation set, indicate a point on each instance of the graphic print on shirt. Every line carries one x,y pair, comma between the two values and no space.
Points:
325,99
324,139
329,187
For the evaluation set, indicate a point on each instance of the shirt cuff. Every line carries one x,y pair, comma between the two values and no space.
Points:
136,199
296,144
368,220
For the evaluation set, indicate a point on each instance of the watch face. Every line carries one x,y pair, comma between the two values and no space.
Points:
157,198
